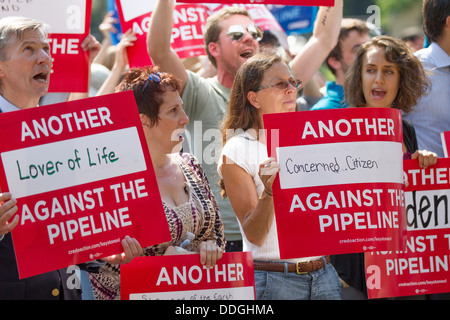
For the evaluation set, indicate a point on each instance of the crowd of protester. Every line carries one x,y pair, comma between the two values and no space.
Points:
225,203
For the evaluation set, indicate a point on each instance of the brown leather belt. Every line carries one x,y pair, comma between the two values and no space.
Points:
299,267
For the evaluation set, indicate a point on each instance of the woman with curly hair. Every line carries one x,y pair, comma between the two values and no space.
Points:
386,74
191,209
396,60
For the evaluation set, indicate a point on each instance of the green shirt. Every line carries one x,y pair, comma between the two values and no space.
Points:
205,102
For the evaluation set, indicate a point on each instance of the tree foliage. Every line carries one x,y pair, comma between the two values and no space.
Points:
394,6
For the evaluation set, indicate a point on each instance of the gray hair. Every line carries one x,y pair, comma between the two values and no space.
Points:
13,28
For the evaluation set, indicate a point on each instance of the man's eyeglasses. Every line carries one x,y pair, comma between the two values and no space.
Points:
155,77
236,32
282,85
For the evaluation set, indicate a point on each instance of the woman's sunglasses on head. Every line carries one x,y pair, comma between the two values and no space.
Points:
155,77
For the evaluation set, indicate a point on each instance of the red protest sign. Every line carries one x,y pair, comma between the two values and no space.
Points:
69,24
339,188
182,277
329,3
187,32
445,137
422,266
83,179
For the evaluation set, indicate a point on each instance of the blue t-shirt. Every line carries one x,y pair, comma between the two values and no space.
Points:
334,98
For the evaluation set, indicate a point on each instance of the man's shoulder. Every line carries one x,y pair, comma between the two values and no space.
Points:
424,54
202,92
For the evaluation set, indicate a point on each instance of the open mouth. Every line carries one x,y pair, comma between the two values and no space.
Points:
247,54
378,94
41,77
178,135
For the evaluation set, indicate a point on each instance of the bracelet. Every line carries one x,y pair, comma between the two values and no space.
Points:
269,194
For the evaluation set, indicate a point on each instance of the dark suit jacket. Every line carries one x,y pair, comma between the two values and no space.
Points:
48,286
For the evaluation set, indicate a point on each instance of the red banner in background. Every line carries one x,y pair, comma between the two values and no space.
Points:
339,188
69,22
328,3
83,179
187,32
445,138
423,266
182,277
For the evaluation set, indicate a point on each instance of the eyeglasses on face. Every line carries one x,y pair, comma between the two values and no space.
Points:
282,85
236,32
155,77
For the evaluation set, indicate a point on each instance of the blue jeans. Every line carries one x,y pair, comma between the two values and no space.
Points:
323,284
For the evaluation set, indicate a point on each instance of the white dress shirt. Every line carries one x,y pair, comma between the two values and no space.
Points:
431,115
6,106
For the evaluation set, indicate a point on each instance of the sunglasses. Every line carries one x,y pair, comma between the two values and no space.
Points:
155,77
282,85
236,32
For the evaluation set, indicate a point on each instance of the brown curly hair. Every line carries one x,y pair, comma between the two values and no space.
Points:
414,81
148,93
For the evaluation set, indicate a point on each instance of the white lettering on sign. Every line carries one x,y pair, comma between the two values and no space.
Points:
64,46
89,225
417,265
186,23
194,274
74,19
336,200
344,127
429,176
360,220
190,14
55,125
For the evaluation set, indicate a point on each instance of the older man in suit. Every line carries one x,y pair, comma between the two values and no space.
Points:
25,67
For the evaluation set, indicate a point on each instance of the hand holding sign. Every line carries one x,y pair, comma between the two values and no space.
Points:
340,180
422,265
426,158
132,249
268,170
69,25
92,46
83,182
7,210
210,253
172,277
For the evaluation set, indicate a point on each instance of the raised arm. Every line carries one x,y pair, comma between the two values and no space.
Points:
158,41
120,64
325,36
91,45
